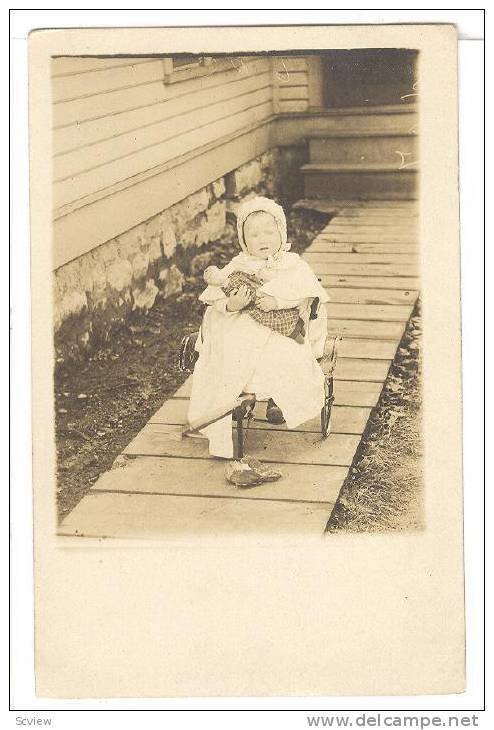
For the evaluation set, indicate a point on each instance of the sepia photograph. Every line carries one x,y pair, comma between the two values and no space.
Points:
246,361
236,293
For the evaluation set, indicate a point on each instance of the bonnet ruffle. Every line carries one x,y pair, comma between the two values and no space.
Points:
265,205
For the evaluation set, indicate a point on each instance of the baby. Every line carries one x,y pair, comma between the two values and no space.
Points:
257,336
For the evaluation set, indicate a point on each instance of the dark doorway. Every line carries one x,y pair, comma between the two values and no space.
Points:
369,77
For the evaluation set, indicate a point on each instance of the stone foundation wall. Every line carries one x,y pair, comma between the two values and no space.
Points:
96,293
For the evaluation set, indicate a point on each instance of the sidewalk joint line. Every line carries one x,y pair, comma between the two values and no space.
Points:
93,492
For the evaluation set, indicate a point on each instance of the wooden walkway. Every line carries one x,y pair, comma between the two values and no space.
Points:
163,484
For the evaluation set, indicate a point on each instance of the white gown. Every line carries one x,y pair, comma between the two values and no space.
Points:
237,354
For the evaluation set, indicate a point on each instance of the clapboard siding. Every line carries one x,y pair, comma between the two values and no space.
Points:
100,154
293,78
293,106
119,101
289,64
77,86
293,83
111,126
112,123
155,153
75,66
294,92
124,206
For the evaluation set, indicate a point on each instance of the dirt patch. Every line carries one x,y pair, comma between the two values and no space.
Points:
103,402
384,489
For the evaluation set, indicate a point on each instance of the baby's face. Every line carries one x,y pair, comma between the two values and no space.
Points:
261,235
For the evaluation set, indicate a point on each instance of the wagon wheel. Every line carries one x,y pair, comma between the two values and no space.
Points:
188,355
326,409
245,409
328,365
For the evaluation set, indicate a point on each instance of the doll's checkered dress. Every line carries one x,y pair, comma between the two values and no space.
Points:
283,321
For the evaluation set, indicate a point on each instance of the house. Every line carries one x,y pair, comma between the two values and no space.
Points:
151,153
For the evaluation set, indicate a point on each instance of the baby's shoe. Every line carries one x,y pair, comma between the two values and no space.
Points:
249,472
274,414
241,474
267,473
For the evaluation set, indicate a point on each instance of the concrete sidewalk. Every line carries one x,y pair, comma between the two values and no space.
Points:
163,484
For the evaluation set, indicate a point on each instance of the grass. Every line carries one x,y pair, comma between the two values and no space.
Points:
384,488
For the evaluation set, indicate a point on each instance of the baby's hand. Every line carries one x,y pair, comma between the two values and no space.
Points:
266,303
239,299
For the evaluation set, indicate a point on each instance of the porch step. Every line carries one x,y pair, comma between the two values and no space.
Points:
350,180
395,119
363,148
374,110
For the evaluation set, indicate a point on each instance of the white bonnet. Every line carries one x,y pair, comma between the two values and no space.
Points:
265,205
